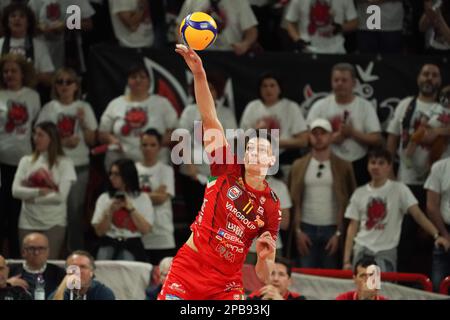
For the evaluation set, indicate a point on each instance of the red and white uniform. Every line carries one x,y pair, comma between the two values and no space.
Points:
232,215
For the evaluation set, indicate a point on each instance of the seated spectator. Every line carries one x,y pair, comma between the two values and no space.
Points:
279,282
43,181
360,277
35,252
376,212
236,23
132,23
122,215
129,115
435,22
8,291
157,181
19,27
272,111
19,108
152,292
76,124
318,26
388,39
91,289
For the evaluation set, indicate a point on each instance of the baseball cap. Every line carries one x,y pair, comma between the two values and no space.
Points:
321,123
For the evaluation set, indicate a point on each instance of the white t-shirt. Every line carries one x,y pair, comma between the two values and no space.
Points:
380,212
282,192
43,212
319,205
439,182
391,13
42,59
188,118
142,204
65,118
234,19
412,172
18,110
362,116
50,12
317,28
143,36
127,120
151,178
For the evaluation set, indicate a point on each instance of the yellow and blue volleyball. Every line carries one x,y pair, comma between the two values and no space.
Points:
198,30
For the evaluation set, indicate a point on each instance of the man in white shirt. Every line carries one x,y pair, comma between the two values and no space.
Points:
355,123
438,207
376,212
318,25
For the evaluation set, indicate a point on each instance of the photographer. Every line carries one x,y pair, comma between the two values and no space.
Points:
122,215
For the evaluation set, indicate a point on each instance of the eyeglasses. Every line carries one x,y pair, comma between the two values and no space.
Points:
320,168
66,82
35,249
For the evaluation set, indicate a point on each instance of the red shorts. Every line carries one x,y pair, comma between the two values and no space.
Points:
190,278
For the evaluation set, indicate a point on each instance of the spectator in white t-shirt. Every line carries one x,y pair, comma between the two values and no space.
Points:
272,111
51,16
236,23
76,124
194,175
42,181
438,208
157,181
19,107
376,212
318,25
387,39
19,27
132,22
129,115
123,215
355,123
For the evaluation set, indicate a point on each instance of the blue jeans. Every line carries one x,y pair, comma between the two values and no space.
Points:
318,257
441,266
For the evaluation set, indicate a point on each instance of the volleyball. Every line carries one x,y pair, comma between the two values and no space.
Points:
198,30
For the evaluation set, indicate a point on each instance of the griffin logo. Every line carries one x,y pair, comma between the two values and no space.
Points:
17,116
376,212
136,118
66,126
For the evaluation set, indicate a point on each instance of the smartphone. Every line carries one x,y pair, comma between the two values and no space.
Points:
119,195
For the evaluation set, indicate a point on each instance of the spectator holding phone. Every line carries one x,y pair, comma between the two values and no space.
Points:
122,215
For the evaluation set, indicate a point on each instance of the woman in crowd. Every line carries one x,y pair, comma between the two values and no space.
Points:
43,182
122,215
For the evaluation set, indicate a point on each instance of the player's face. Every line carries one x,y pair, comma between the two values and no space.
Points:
12,75
150,147
320,139
342,83
270,91
279,278
429,80
379,168
86,271
138,82
258,156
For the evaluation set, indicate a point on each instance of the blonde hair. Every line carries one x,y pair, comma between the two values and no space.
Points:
73,75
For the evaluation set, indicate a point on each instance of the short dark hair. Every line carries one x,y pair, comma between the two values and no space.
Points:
154,133
286,262
134,69
344,66
85,254
364,262
129,175
269,75
13,7
380,153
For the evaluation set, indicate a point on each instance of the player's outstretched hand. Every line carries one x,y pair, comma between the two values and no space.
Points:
192,59
265,245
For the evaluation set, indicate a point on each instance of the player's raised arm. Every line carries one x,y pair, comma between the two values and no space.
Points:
211,124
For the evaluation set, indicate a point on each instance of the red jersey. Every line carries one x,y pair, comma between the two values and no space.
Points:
353,295
232,215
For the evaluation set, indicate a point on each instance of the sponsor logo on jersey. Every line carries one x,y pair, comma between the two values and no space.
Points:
231,208
260,210
235,229
234,193
225,253
248,207
223,234
274,196
177,287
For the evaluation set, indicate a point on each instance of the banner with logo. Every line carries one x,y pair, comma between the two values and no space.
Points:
305,78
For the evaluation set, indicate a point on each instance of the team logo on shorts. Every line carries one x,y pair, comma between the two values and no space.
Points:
234,193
